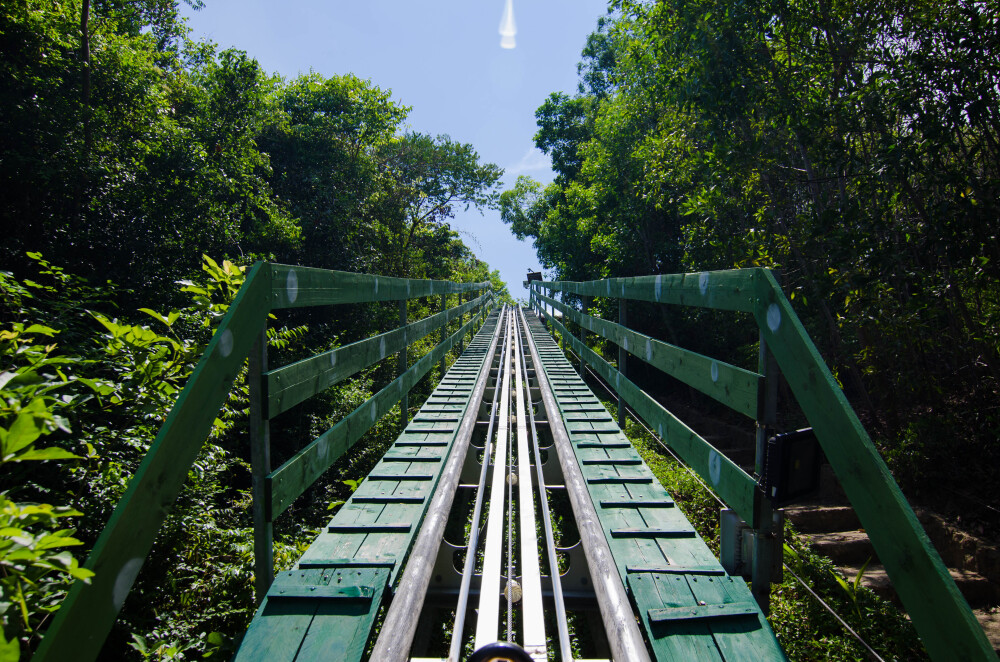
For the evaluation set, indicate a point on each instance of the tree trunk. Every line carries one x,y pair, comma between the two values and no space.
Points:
85,57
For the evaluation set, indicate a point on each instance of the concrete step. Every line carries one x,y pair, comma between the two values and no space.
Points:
823,519
990,620
978,591
844,548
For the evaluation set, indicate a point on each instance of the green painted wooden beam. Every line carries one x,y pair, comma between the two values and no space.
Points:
296,475
718,290
298,287
732,386
941,615
732,484
82,623
316,614
294,383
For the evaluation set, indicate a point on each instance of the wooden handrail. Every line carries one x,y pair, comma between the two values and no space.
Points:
87,614
942,617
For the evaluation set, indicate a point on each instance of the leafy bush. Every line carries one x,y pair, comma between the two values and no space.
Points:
37,390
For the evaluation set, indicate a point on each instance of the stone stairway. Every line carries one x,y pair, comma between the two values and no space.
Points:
831,526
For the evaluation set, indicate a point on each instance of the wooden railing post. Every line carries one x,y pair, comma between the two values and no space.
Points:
404,402
583,334
260,467
767,537
444,331
622,360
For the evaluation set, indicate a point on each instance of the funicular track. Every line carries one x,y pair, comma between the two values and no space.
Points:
632,538
455,530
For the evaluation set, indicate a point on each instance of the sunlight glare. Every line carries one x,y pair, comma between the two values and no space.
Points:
508,29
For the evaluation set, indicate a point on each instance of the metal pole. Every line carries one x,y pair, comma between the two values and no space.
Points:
404,402
488,618
400,624
622,364
260,467
620,625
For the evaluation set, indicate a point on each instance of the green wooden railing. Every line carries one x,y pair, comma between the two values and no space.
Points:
82,623
941,615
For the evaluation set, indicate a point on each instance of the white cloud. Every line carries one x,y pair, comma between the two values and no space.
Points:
532,161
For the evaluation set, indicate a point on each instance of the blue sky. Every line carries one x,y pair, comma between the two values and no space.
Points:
441,57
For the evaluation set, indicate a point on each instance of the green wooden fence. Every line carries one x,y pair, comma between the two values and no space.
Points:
82,623
941,615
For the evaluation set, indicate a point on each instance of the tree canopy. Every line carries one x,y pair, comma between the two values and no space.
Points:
854,146
140,173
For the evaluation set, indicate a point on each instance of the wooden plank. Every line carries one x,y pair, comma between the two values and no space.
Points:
83,621
732,386
635,503
738,639
941,615
718,290
620,479
333,627
637,532
733,484
292,384
296,475
297,287
702,612
396,527
360,498
714,570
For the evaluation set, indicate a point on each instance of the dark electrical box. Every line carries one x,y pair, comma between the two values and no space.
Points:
534,275
792,466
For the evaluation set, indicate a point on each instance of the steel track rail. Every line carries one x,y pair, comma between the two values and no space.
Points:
620,625
400,624
487,623
469,567
532,611
565,647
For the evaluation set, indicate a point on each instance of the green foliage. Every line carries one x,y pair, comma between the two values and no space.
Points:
37,392
804,628
833,143
128,152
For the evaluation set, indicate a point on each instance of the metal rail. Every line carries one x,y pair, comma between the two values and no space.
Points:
565,647
400,622
458,629
619,622
511,478
487,624
533,630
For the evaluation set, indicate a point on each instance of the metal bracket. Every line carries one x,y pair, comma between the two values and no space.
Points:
738,540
